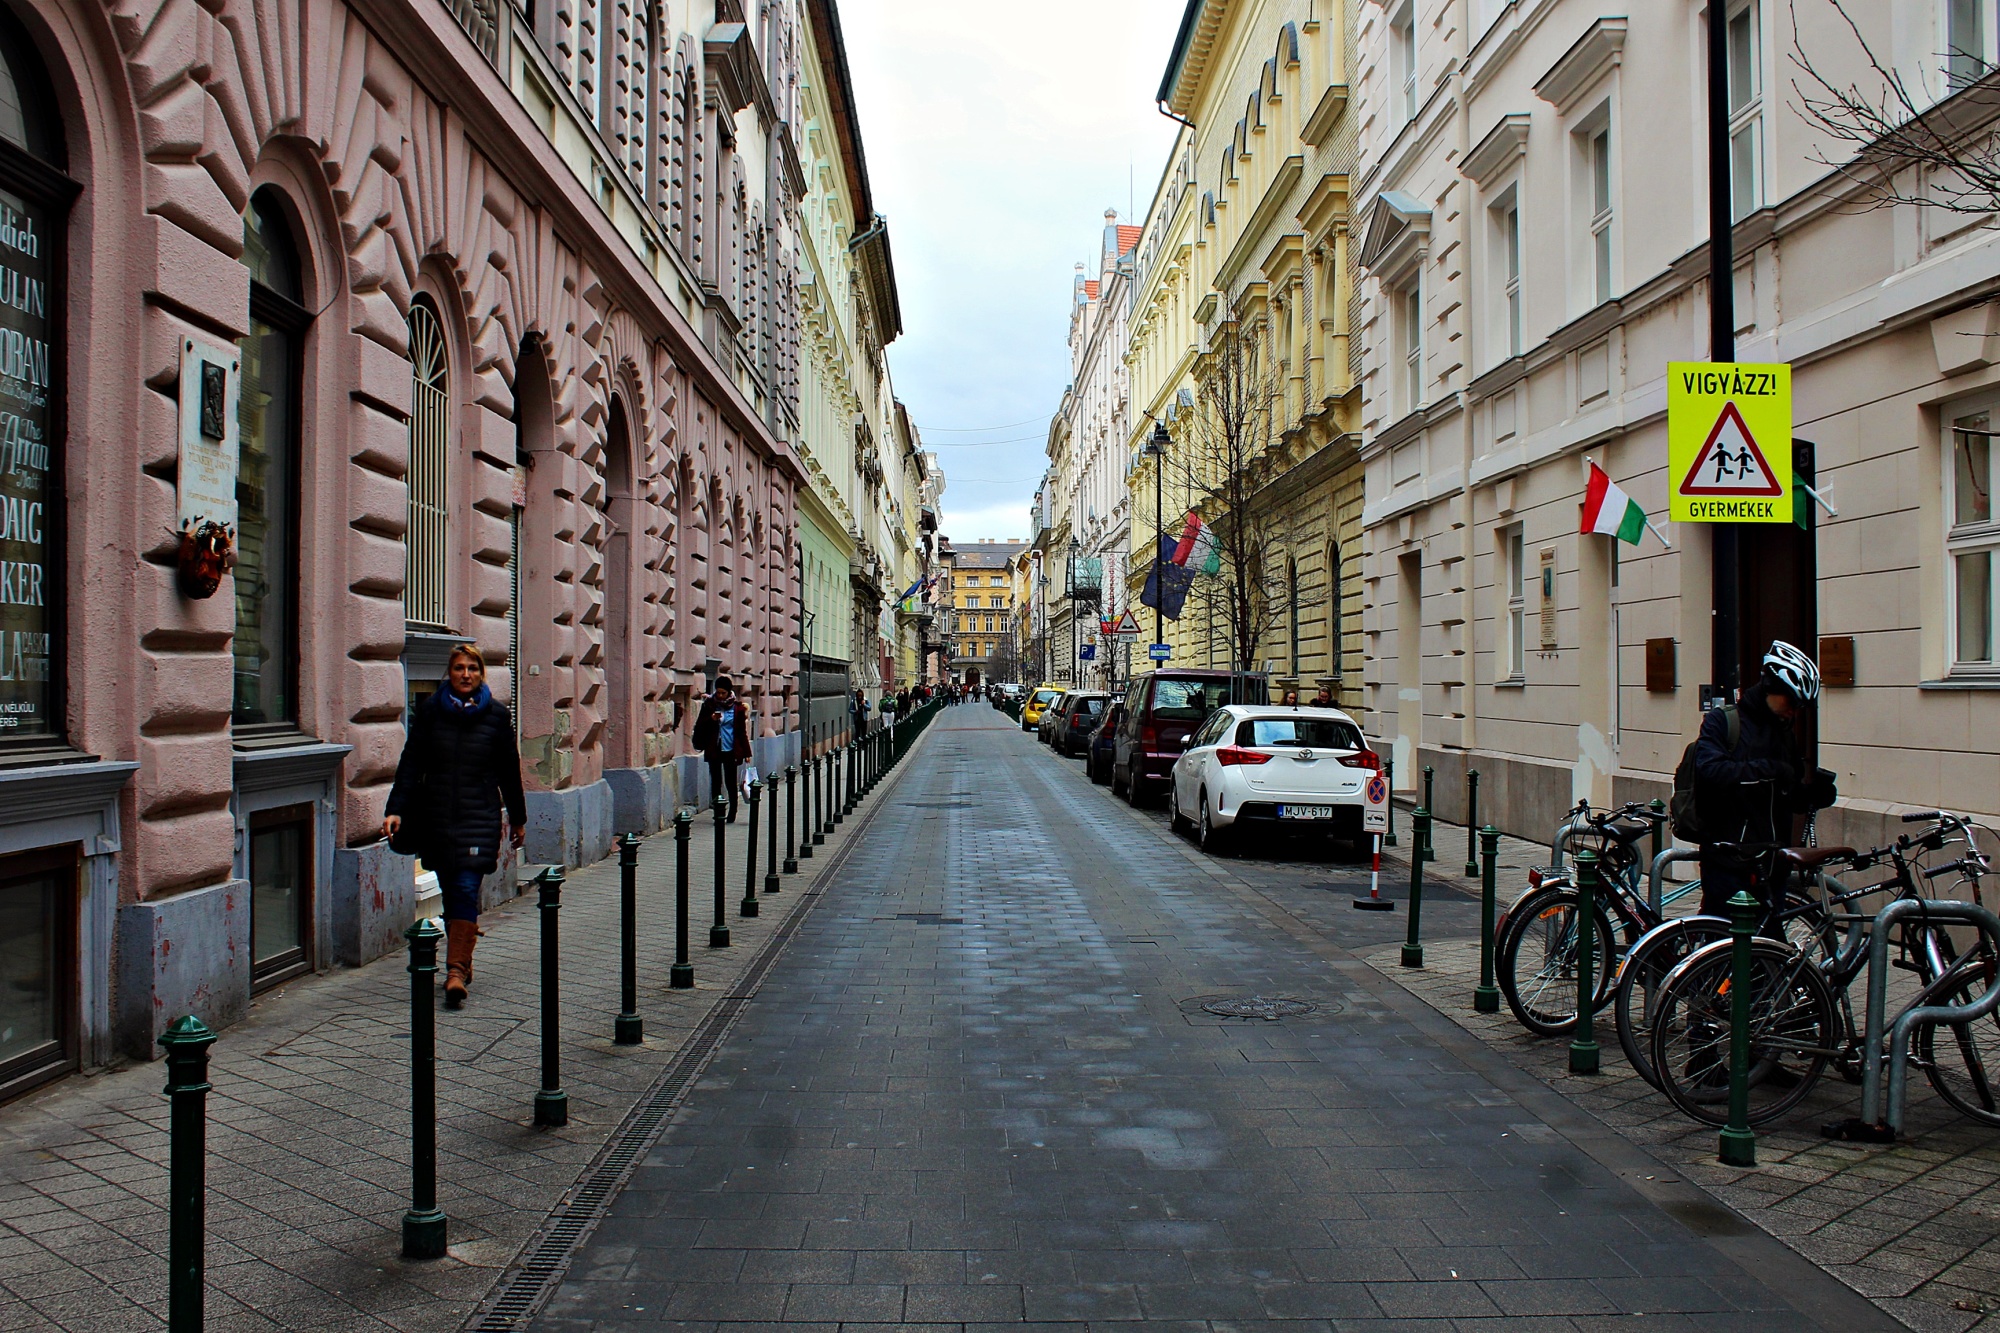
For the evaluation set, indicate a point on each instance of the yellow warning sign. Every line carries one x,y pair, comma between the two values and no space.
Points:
1729,442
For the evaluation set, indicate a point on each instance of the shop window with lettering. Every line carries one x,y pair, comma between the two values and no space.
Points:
267,481
1972,542
37,967
34,201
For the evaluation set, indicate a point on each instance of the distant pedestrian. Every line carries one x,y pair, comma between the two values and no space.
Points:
1291,699
460,770
859,710
722,734
903,702
1324,699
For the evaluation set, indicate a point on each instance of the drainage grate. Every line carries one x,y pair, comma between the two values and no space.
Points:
1272,1007
547,1255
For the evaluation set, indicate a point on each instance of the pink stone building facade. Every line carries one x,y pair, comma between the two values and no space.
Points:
502,303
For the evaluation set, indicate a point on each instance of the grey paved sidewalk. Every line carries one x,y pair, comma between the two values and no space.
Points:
309,1124
980,1089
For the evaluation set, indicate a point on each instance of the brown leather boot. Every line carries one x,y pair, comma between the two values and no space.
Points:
460,937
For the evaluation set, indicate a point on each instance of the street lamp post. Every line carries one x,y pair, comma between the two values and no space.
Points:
1075,548
1156,447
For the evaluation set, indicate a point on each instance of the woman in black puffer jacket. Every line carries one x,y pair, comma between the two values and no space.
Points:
460,765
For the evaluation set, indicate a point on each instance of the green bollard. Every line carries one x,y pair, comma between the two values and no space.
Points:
1420,831
186,1043
1583,1052
1429,852
681,975
551,1102
1389,776
424,1223
1471,822
628,1029
1737,1144
748,907
1659,809
1486,995
718,932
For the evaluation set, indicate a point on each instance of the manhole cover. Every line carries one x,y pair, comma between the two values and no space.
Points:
1273,1007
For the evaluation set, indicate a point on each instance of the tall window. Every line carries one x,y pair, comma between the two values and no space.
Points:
1971,541
1292,592
1336,628
1510,271
34,201
267,479
1599,150
1746,104
1410,311
1403,60
430,456
1966,32
1515,548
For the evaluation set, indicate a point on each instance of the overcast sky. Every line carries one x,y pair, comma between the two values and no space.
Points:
996,136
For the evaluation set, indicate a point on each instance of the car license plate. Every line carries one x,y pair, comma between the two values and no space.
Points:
1305,812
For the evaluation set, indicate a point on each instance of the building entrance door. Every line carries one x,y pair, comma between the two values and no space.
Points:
1779,581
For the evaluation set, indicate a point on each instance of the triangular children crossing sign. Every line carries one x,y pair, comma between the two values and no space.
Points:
1729,442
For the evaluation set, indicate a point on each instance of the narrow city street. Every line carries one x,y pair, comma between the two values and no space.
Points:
979,1087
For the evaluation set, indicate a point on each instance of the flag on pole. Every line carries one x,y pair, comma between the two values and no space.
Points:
1611,512
1198,549
1167,584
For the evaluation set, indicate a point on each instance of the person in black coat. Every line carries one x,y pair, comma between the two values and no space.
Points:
722,734
460,770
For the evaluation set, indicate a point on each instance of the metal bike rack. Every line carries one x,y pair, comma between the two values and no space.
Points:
1563,835
1899,1036
1660,864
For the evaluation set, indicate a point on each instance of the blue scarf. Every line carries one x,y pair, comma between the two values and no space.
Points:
477,700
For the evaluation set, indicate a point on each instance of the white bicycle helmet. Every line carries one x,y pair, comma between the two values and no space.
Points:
1793,670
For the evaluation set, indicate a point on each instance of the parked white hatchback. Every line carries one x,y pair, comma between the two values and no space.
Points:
1296,770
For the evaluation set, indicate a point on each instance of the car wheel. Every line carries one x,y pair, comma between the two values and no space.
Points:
1135,795
1179,822
1098,777
1117,787
1211,838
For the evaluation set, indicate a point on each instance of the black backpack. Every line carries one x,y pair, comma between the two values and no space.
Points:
1687,822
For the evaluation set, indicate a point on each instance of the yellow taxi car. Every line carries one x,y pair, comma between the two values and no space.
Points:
1031,712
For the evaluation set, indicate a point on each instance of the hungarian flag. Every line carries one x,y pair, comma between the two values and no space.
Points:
1610,511
1198,549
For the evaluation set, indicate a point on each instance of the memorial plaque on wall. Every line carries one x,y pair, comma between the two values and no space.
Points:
1836,660
209,442
1662,677
30,489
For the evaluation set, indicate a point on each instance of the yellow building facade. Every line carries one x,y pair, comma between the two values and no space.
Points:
1247,239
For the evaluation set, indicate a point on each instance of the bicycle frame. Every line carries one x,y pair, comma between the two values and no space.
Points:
1920,1010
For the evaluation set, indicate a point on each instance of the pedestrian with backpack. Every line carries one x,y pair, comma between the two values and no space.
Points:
1742,780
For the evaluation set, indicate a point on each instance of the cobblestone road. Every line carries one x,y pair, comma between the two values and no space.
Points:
979,1088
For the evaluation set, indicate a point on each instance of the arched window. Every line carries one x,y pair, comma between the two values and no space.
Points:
426,545
267,477
34,201
1336,593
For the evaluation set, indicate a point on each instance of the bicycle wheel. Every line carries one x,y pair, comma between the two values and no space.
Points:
1794,1029
1962,1060
1658,952
1534,960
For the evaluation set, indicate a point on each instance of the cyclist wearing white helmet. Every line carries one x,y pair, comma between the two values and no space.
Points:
1750,785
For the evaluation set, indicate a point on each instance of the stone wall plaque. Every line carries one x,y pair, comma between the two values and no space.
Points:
1661,666
1836,660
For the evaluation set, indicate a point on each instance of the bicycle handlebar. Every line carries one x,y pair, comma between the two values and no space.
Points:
1919,816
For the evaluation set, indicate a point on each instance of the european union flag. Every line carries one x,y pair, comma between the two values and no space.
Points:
1167,585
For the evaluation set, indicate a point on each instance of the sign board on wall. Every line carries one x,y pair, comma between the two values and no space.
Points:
208,463
1729,442
1548,593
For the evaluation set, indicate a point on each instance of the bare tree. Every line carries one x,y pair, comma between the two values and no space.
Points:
1222,461
1910,147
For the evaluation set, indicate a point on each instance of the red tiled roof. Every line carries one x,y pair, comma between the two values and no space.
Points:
1090,290
1128,238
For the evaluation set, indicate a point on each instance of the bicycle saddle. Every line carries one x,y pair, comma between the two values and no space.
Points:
1626,829
1812,858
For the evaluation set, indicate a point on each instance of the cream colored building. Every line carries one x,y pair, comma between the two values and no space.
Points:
1532,210
1249,227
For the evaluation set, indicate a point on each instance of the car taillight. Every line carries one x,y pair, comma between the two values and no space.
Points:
1229,756
1149,736
1363,759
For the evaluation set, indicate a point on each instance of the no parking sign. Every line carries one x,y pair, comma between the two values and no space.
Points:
1375,818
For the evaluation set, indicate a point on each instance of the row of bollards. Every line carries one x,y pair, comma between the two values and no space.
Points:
836,780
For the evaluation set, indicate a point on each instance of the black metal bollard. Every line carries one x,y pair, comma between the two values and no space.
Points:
718,933
771,837
748,907
1389,776
1471,822
837,787
186,1043
853,774
1420,832
1583,1052
1486,995
424,1223
1737,1144
628,1029
815,805
681,975
1429,852
551,1102
791,819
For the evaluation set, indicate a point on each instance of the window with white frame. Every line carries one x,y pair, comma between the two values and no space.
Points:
1598,149
1403,61
1515,558
1410,340
1746,108
1968,38
1506,270
427,544
1972,540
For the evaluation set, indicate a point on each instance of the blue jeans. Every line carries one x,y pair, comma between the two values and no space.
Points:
461,894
